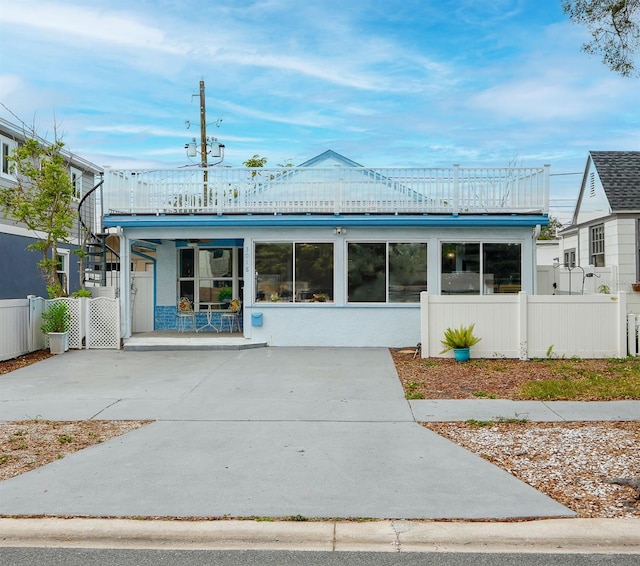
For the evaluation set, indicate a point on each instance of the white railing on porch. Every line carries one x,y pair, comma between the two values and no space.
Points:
529,326
339,190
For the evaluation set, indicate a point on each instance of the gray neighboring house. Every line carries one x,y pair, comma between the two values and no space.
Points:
604,234
19,273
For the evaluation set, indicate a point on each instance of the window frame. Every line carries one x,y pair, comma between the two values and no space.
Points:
194,276
483,289
597,245
294,293
7,147
387,273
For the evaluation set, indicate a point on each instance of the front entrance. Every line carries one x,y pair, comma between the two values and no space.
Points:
210,274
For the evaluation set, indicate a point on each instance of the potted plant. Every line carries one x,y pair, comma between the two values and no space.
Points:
55,324
460,341
224,296
635,286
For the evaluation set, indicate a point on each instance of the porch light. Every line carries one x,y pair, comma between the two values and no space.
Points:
338,230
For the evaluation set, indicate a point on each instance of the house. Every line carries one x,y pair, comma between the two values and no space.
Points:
600,250
329,253
18,265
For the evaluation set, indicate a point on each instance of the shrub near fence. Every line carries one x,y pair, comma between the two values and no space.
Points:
95,323
529,326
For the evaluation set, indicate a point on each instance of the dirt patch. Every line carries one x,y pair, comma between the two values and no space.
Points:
26,445
7,366
444,378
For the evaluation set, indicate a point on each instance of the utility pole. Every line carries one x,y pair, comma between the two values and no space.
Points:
203,140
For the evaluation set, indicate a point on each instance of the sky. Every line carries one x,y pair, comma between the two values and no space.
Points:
386,83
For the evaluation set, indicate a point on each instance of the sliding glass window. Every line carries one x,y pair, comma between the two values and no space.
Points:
294,272
480,268
386,272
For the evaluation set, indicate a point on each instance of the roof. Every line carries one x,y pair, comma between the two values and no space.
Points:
619,173
331,156
20,133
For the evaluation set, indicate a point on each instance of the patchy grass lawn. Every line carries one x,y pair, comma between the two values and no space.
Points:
553,379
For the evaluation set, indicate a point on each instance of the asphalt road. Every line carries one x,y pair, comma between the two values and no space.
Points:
113,557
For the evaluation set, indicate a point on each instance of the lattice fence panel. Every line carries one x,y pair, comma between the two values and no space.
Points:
76,327
104,323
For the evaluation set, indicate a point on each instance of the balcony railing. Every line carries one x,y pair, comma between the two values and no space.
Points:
339,190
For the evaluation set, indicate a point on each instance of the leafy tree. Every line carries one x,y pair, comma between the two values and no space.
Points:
42,200
255,161
614,27
548,232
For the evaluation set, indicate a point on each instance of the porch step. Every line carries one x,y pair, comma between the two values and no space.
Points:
189,341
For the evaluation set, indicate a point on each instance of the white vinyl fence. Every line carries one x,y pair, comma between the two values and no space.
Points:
95,323
17,334
529,326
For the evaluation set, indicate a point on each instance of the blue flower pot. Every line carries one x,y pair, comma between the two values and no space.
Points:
461,354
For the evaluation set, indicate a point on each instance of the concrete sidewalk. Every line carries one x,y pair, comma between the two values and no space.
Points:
274,432
443,410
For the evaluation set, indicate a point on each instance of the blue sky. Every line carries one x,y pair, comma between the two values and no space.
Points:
384,82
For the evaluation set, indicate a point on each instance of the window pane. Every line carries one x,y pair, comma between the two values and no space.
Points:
185,289
186,268
274,272
367,273
215,262
407,272
314,272
502,265
460,269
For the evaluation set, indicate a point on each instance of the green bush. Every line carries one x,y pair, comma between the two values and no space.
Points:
459,338
56,318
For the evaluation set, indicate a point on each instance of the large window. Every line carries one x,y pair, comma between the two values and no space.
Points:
294,272
206,275
596,245
481,268
386,272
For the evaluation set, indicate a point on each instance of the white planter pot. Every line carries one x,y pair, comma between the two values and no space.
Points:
58,342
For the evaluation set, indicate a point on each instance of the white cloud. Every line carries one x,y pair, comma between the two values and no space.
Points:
71,23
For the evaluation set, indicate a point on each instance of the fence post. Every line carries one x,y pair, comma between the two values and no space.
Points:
523,338
622,312
632,344
424,324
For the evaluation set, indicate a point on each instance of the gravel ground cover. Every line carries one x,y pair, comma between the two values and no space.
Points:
570,462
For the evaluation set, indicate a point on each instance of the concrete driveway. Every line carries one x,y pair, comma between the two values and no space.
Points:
317,432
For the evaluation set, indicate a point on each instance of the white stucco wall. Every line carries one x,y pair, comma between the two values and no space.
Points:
336,323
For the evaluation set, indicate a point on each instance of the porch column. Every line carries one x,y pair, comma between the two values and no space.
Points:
125,283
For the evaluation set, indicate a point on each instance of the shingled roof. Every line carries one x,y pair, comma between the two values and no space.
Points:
619,172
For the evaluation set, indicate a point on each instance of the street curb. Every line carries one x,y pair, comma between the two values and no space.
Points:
609,536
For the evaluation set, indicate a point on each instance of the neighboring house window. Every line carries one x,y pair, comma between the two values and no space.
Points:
76,181
569,258
596,245
481,268
381,272
6,148
204,272
63,269
294,272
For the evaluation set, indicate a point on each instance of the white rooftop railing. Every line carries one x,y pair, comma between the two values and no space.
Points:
339,190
